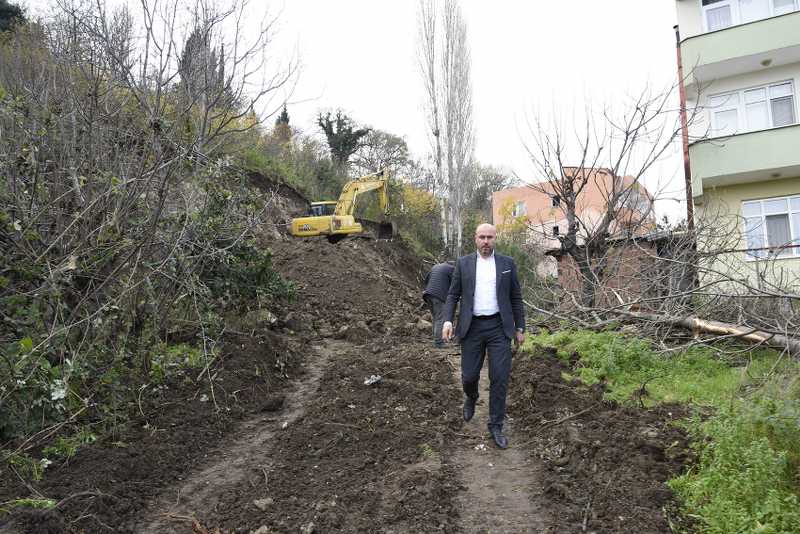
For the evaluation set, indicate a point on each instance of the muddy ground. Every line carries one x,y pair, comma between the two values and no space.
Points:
293,440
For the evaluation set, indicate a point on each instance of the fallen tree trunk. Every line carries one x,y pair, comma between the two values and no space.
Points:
697,325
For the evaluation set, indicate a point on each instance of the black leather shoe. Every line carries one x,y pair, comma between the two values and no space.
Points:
499,439
469,408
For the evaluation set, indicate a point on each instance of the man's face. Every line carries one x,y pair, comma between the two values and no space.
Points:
485,237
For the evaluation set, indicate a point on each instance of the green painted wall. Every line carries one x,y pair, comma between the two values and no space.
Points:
744,153
721,212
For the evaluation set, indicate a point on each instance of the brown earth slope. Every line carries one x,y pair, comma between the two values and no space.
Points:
297,442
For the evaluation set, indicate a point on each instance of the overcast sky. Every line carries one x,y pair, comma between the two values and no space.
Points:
529,58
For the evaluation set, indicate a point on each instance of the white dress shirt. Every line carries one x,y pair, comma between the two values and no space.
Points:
485,287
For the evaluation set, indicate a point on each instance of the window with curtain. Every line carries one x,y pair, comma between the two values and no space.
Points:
721,14
753,109
782,104
772,224
519,209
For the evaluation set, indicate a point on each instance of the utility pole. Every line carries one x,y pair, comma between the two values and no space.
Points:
687,169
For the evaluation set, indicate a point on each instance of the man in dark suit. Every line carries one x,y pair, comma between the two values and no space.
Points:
437,284
491,315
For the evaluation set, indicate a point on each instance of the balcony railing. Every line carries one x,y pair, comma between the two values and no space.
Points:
747,157
744,48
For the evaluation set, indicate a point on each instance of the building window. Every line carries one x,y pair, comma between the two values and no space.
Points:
721,14
753,109
772,223
556,200
636,200
519,209
781,7
555,231
718,14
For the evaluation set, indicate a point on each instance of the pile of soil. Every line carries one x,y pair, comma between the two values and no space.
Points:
605,464
170,431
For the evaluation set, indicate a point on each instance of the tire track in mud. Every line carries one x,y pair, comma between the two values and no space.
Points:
501,486
245,458
363,458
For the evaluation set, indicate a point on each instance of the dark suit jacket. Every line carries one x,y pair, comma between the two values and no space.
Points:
437,283
509,294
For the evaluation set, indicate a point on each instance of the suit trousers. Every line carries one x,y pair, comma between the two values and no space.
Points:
437,318
486,335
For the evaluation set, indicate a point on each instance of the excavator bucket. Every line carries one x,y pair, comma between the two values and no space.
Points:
386,230
378,230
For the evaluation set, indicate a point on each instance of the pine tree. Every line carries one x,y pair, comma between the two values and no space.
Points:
283,132
283,118
10,15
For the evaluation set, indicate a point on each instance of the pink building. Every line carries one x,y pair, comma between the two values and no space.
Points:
541,207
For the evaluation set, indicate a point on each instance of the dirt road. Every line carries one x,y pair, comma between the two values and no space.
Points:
294,440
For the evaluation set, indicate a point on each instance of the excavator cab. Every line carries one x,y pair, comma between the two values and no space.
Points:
335,220
320,209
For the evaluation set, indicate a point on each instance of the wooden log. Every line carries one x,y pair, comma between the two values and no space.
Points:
697,326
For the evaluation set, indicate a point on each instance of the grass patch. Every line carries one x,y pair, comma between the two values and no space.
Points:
747,478
39,504
625,363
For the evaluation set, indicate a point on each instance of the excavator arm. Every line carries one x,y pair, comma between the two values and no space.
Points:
347,200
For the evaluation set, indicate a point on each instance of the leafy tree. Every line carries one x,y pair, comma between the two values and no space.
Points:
10,14
481,183
343,135
381,150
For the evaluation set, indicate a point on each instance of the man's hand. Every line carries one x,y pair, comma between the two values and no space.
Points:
447,331
520,339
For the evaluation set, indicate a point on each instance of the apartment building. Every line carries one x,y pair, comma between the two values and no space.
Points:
741,63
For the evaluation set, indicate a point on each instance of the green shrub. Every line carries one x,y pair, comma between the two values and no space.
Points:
41,504
66,447
742,482
27,467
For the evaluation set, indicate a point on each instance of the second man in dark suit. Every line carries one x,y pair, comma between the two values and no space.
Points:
490,317
437,284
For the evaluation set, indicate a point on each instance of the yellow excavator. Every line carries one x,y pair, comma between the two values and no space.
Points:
334,218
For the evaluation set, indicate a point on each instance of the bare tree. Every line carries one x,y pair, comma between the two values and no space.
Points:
457,104
618,264
446,68
427,58
609,158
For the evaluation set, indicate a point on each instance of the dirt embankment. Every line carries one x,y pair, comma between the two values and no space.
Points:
293,440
